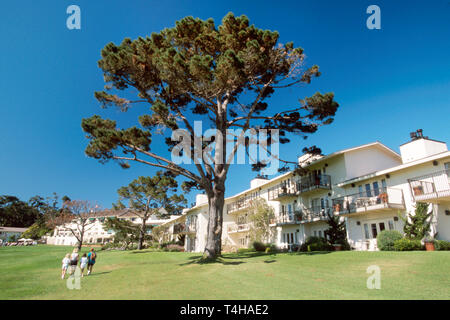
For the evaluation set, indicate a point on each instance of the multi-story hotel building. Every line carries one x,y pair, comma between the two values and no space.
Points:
95,232
369,186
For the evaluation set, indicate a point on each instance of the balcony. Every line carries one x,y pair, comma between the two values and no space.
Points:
289,218
373,200
432,187
240,204
235,227
283,190
315,213
315,182
183,228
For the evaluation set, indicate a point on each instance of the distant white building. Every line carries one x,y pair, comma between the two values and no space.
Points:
95,233
368,186
7,232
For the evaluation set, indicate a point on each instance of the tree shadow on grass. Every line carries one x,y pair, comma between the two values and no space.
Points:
233,256
97,273
199,260
311,253
142,251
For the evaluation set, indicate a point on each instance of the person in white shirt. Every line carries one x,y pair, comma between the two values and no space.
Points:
65,265
83,264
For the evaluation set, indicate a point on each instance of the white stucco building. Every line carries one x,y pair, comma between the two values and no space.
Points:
94,232
368,186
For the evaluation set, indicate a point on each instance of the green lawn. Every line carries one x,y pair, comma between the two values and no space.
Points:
34,273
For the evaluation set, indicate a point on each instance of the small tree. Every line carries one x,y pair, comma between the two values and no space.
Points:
77,216
125,232
260,216
336,233
147,195
159,232
417,225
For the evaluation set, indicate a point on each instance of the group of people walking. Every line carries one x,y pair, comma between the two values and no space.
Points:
70,262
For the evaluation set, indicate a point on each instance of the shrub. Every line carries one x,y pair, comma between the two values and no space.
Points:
386,239
174,248
244,250
132,247
259,246
165,244
315,244
271,248
407,245
442,245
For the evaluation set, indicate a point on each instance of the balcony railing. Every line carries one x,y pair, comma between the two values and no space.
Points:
289,218
184,228
370,200
314,182
235,227
431,186
315,212
240,204
283,190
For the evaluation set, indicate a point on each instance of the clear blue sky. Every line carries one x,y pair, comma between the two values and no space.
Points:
388,82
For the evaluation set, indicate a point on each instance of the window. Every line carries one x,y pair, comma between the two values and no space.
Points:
289,209
320,233
382,227
315,233
391,225
383,184
374,230
360,191
376,191
368,193
366,231
447,166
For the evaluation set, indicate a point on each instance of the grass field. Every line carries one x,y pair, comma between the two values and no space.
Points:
34,273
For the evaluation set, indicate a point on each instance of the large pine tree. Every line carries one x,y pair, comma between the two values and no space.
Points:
222,75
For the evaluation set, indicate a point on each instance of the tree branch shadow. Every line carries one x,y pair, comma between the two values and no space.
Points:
225,259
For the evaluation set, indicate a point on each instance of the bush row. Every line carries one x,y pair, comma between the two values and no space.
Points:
391,240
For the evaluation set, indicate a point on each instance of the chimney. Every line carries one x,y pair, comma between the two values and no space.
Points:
258,181
201,198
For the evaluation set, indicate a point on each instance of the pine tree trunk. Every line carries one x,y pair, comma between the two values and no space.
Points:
214,235
141,236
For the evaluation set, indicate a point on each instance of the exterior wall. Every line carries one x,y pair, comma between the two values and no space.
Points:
421,148
364,161
398,180
356,233
443,222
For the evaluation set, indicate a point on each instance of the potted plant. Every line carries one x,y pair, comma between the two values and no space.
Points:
298,215
383,197
418,190
337,207
429,243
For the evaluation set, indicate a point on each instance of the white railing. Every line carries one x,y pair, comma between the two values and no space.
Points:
431,186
